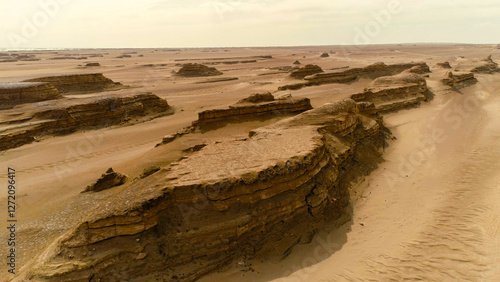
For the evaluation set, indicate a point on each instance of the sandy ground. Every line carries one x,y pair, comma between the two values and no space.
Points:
430,212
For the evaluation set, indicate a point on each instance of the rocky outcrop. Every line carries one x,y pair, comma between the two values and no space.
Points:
392,93
197,70
108,180
459,79
248,111
80,83
445,65
31,123
420,69
344,76
489,67
266,193
92,65
12,94
305,71
257,98
325,55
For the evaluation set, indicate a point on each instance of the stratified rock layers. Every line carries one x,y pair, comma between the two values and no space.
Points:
12,94
99,113
390,93
248,111
345,76
230,199
80,83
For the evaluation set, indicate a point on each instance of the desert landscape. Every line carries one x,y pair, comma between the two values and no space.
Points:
321,163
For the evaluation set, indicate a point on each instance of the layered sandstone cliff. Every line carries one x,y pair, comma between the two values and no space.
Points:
231,199
488,67
372,71
251,110
392,93
459,79
306,71
25,125
80,83
197,70
12,94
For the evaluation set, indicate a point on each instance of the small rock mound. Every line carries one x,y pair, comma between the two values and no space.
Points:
258,98
196,70
420,69
296,63
108,180
93,65
305,71
445,65
149,171
325,55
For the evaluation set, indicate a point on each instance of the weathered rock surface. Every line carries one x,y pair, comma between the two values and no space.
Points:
489,67
92,65
248,111
23,125
108,180
444,65
344,76
459,79
258,98
305,71
80,83
261,199
197,70
12,94
396,92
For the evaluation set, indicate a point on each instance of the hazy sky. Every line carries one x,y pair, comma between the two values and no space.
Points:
200,23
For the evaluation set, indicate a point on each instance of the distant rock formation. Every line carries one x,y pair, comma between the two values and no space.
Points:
91,113
258,98
305,71
93,65
344,76
267,193
445,65
459,79
296,63
390,93
325,55
108,180
420,69
80,83
197,70
489,67
16,93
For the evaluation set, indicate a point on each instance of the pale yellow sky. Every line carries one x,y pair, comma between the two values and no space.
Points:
205,23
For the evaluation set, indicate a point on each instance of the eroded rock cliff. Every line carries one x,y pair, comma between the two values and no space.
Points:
197,70
391,93
459,79
80,83
24,125
372,71
248,111
248,198
12,94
